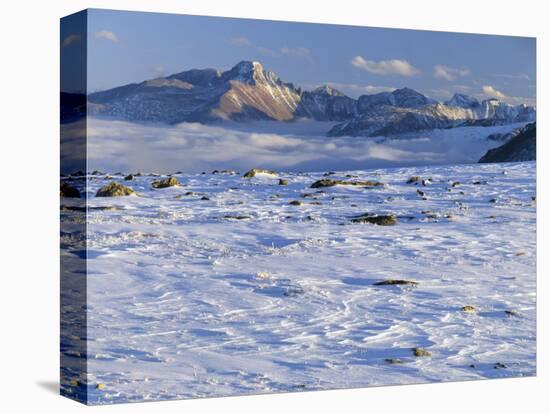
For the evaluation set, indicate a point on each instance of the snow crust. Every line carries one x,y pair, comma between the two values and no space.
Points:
244,293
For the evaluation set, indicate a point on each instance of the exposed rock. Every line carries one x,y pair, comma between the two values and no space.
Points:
236,217
393,361
283,182
129,177
468,309
255,171
521,147
100,386
413,179
228,172
204,198
421,352
381,220
67,190
167,182
114,189
326,182
511,313
313,195
396,282
295,203
499,365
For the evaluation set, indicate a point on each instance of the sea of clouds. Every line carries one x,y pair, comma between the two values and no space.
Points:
115,145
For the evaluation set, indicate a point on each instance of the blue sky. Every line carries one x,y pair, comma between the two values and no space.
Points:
125,47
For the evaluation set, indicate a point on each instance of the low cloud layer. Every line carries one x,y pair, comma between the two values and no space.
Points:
298,146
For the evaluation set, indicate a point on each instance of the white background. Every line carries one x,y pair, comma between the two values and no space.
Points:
29,151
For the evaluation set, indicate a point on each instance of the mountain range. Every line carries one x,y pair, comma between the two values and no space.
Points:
248,92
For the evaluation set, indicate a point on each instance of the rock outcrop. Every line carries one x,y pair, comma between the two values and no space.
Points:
521,147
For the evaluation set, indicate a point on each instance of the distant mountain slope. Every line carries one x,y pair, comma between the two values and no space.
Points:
405,110
248,92
521,147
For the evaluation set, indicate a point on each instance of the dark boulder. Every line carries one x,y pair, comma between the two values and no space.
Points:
326,182
114,189
167,182
255,171
380,220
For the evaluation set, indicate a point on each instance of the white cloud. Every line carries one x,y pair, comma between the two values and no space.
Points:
240,41
385,67
106,35
71,39
491,92
488,91
299,146
448,73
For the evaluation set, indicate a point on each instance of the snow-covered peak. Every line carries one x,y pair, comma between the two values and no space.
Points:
246,67
409,98
462,101
250,72
327,90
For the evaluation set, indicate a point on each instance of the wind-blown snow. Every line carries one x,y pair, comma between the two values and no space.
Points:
186,300
298,146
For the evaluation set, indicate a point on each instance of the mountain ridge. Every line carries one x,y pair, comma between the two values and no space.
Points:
248,92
